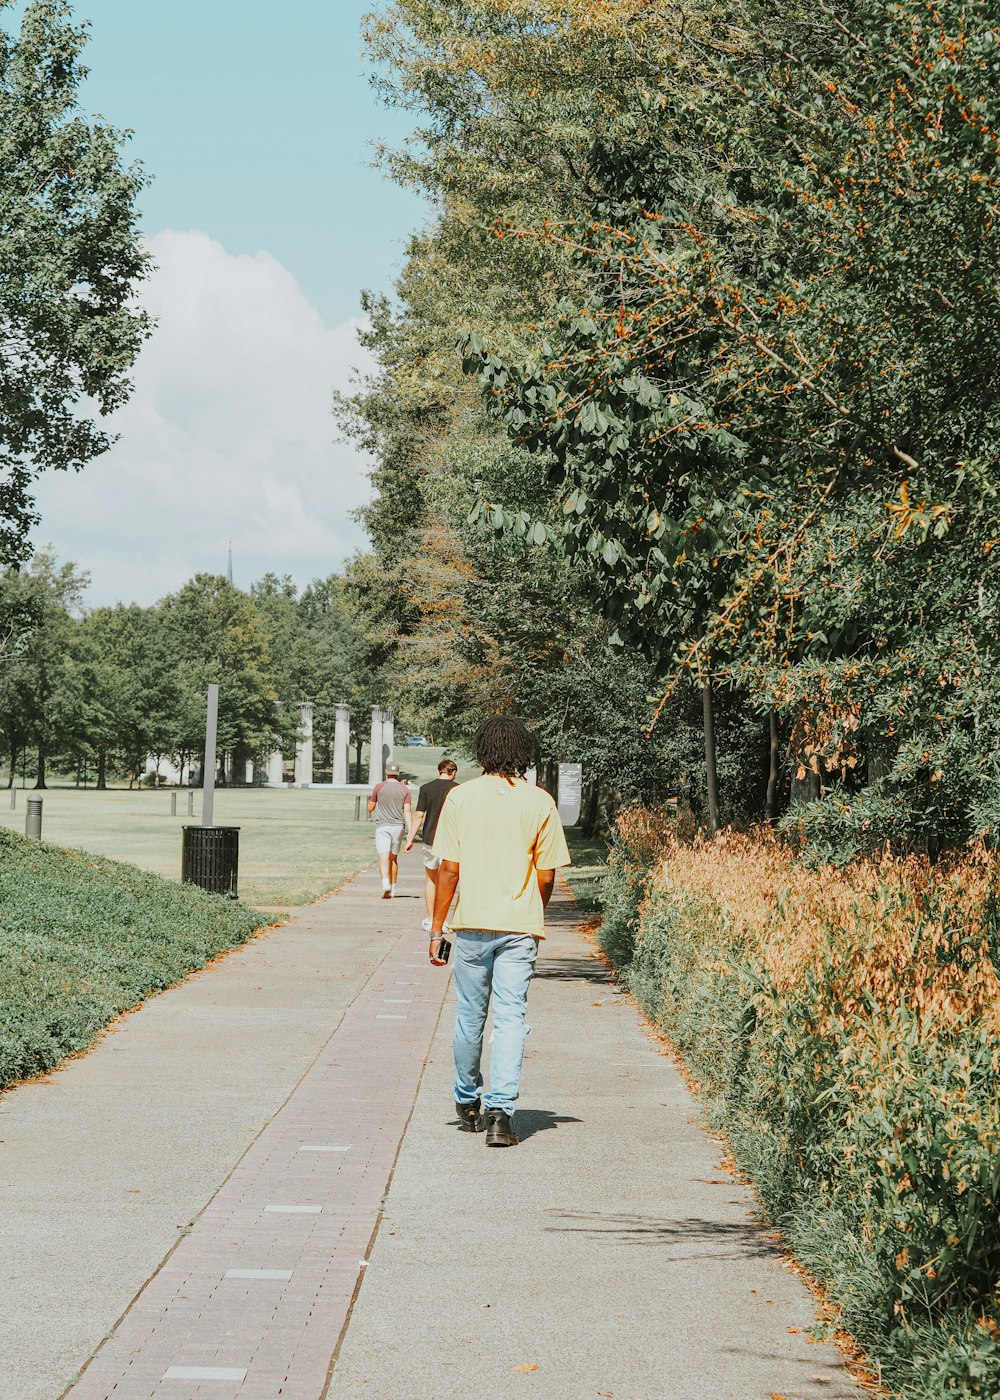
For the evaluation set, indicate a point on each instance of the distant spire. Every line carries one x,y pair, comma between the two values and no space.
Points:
229,566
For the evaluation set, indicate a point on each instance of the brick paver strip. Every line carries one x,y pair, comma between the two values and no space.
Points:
220,1318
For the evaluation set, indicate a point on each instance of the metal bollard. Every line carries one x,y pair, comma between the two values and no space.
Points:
13,796
190,804
357,808
173,804
33,820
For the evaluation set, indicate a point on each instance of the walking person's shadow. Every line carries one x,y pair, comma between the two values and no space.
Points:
530,1121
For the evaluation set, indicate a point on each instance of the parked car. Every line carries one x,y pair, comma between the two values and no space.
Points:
416,741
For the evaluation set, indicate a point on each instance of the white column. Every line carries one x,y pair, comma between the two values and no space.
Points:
388,737
276,769
304,748
375,770
342,744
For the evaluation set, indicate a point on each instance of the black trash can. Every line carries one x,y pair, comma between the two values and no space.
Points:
210,857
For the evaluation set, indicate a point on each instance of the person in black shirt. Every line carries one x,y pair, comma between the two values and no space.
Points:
430,800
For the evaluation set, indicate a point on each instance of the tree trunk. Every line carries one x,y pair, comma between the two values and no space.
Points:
357,770
102,770
550,778
815,786
774,769
711,771
591,808
238,765
40,783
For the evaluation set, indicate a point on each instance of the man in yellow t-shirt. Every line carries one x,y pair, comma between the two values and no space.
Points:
505,838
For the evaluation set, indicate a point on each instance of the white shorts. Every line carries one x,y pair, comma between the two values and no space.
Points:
388,839
431,861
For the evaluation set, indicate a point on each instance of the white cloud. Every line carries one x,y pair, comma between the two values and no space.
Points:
228,435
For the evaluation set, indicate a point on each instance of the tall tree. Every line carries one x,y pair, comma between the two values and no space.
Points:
70,264
216,634
132,688
768,477
38,680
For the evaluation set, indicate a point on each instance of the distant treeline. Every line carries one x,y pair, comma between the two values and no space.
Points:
92,693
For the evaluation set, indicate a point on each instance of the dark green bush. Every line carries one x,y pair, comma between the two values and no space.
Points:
901,818
83,939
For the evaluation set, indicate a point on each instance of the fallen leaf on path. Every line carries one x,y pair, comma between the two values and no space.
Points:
793,1329
526,1366
776,1396
597,1003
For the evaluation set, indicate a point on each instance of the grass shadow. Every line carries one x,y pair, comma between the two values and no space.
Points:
698,1237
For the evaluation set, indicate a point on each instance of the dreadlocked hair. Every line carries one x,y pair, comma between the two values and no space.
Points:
504,746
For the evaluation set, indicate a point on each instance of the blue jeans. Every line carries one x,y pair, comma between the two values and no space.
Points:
501,964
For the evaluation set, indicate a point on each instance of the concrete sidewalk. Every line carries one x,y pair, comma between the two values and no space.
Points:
604,1256
261,1169
106,1164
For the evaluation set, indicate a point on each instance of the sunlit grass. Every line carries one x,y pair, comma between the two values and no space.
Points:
295,843
590,865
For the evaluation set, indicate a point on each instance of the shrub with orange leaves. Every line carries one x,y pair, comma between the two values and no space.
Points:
843,1027
884,935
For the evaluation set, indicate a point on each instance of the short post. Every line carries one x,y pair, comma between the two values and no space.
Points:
173,804
13,796
357,808
190,804
33,820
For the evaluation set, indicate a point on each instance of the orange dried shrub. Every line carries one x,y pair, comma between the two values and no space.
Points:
882,934
841,1026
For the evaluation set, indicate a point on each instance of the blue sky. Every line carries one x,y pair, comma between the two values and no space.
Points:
256,121
266,219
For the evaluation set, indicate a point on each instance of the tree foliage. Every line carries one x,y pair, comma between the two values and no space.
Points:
96,693
70,263
770,422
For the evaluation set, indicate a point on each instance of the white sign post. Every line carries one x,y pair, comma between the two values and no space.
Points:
570,792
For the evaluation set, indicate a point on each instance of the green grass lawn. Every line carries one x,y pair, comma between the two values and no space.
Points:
295,843
586,875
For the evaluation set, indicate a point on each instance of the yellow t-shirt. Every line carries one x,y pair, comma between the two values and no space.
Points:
500,831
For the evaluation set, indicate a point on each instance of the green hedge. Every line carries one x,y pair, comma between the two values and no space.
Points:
83,939
855,1091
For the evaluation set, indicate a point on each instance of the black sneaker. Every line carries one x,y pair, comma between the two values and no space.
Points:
470,1118
500,1129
